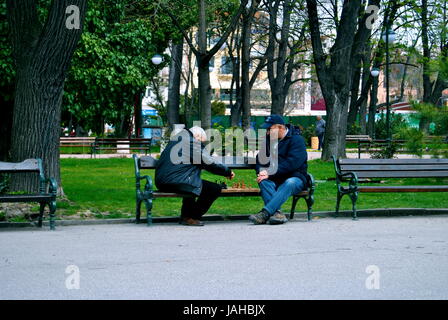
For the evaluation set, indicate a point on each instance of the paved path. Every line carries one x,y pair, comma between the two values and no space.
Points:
329,258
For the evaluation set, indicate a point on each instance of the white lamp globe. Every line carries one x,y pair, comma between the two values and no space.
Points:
375,72
391,34
157,59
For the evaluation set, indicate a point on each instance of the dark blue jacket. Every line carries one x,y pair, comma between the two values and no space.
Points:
292,158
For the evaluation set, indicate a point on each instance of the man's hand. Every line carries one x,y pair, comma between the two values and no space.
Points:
232,175
262,175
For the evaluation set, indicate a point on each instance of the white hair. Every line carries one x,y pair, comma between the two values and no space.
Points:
198,133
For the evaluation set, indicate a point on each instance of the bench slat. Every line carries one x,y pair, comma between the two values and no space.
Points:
224,193
29,165
25,197
403,189
390,167
402,174
148,162
392,161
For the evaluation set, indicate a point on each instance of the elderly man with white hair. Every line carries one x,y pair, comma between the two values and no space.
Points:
179,170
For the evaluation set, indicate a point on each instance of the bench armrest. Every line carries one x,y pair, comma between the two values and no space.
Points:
148,184
52,185
311,183
147,192
351,176
341,177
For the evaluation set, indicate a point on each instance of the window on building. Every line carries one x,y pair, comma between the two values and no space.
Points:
225,95
226,65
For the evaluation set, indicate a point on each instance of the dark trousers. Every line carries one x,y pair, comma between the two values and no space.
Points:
321,141
196,207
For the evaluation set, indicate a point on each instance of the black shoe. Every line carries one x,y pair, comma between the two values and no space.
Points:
191,222
260,218
278,218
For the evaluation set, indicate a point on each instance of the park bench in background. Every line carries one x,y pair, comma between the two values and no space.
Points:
375,145
43,197
120,144
360,139
80,142
350,170
148,194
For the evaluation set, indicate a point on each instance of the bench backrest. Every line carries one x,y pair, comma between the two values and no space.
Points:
29,165
395,168
123,140
148,162
82,141
357,137
26,166
70,139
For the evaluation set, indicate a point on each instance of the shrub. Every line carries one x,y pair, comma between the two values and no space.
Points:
307,133
387,152
397,122
4,183
414,140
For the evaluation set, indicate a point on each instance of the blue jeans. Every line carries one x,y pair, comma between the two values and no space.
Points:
274,197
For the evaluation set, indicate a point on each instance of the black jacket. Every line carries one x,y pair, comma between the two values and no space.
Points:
180,164
292,158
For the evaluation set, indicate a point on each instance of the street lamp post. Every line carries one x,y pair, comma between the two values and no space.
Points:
156,60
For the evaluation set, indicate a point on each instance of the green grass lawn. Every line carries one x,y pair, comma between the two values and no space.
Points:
105,188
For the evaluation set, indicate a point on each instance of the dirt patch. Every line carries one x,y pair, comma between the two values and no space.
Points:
17,211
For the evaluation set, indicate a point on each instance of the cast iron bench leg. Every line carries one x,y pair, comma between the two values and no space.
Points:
148,204
41,214
52,205
354,197
293,207
338,202
138,206
310,203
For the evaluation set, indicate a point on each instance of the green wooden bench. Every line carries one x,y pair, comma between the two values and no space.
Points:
352,170
44,197
148,193
78,142
122,144
360,139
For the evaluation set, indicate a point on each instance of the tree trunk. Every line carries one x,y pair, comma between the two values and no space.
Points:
354,107
42,56
205,92
362,117
277,65
335,79
278,101
137,116
336,127
245,61
372,108
174,82
360,61
235,107
5,128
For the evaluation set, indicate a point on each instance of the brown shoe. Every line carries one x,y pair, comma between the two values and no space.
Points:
191,222
278,218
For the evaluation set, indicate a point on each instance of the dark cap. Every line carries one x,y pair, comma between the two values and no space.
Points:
271,120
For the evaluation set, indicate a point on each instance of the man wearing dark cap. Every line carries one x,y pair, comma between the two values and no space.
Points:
281,169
